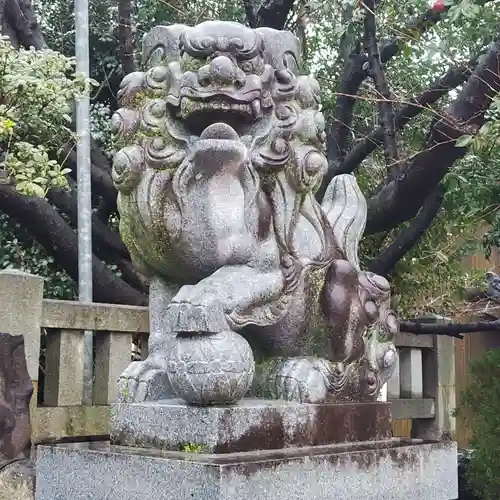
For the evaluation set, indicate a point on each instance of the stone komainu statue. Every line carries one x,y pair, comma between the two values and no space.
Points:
221,154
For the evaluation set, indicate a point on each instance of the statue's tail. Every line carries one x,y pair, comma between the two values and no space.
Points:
345,208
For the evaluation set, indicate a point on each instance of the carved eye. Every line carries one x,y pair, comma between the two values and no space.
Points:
247,66
284,76
314,163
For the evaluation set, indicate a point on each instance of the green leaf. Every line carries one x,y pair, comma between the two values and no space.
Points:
487,126
38,190
464,141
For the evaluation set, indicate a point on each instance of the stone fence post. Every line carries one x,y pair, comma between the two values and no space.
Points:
21,297
438,367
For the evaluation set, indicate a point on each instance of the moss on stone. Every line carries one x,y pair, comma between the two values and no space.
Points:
193,64
264,371
146,95
193,448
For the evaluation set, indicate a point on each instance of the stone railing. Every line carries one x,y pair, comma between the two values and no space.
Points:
422,388
423,385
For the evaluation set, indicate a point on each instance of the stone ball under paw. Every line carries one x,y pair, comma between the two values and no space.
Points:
209,369
302,380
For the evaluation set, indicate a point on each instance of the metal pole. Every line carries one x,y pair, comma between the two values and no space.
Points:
84,188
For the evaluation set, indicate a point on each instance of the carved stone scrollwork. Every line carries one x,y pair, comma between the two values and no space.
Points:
222,152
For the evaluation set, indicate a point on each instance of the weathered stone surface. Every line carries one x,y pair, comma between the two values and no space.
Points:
248,426
16,389
74,315
389,471
21,298
212,368
222,151
17,481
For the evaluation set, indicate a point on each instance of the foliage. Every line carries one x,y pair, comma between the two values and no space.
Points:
37,91
192,448
481,409
100,127
36,97
430,277
19,250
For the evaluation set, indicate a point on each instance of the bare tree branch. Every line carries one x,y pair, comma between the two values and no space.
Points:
274,13
125,38
449,329
102,235
102,184
452,79
20,25
355,72
107,243
60,241
385,103
413,30
400,199
339,131
385,263
2,10
250,12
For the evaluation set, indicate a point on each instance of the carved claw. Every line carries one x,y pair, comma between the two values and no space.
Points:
196,310
197,318
144,381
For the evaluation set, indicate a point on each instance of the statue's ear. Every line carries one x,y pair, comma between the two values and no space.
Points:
161,44
281,49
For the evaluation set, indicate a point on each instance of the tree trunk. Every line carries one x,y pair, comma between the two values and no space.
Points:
60,241
48,227
19,23
125,38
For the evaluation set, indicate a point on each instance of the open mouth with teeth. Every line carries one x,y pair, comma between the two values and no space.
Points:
199,113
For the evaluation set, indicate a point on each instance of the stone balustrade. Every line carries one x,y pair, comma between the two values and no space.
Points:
422,388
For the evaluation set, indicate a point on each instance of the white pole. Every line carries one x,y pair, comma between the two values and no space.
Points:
84,188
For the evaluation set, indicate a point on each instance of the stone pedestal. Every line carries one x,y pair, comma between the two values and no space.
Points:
247,426
389,470
256,450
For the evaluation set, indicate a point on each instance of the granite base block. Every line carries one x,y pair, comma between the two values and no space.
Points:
391,470
250,425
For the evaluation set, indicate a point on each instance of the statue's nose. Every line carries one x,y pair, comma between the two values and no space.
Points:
222,71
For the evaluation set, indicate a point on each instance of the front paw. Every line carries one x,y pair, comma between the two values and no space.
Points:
195,310
144,381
